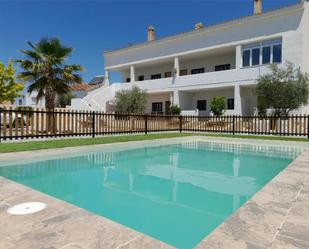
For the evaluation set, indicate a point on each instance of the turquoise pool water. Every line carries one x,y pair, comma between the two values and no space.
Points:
177,193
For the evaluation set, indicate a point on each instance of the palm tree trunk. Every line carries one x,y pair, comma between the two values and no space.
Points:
50,107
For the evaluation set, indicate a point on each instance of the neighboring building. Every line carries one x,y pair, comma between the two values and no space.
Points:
78,90
226,59
30,100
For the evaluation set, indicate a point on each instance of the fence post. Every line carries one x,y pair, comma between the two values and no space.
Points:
308,126
93,124
146,123
180,124
233,124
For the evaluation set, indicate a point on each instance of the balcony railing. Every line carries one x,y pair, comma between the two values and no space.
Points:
210,78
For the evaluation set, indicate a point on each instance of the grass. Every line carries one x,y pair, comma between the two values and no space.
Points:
73,142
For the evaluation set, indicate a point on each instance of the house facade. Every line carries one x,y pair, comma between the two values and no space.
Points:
226,59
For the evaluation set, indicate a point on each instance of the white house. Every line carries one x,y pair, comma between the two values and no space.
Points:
189,69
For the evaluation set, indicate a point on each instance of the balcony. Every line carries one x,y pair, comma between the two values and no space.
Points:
245,76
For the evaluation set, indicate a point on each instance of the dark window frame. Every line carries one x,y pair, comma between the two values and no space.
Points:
141,78
273,57
168,74
154,108
266,55
247,60
201,104
183,72
256,61
198,70
222,67
230,104
155,76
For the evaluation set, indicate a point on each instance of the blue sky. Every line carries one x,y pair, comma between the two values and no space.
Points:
94,26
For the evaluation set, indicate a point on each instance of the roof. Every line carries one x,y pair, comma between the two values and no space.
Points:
97,80
208,28
81,87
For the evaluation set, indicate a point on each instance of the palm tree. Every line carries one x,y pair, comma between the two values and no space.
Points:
45,69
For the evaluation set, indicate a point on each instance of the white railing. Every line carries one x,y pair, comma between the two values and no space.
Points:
97,99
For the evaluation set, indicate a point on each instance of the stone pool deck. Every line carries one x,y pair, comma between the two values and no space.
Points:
275,217
61,225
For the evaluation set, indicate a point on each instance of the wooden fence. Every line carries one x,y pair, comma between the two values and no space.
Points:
39,123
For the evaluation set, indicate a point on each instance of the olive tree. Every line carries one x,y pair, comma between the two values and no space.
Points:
282,90
131,101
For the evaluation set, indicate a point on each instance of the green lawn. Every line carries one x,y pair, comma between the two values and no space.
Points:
61,143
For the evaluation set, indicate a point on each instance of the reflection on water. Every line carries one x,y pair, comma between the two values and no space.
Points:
177,193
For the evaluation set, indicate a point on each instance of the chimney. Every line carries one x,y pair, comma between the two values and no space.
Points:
258,7
198,26
151,33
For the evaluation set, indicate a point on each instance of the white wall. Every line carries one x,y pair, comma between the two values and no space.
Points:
156,98
208,95
232,33
208,63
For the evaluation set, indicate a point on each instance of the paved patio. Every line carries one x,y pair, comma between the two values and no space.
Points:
275,217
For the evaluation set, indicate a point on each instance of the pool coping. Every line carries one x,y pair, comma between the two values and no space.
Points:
267,220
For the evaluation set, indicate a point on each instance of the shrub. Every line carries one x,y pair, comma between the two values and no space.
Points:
218,105
174,110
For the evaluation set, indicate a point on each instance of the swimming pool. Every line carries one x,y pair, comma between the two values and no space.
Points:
177,193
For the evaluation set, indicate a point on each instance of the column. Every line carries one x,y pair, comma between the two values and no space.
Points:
237,100
176,100
238,57
132,73
176,67
106,77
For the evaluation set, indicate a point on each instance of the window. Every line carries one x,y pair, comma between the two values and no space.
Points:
141,78
167,74
197,70
246,58
255,56
20,102
155,76
223,67
230,104
277,53
271,53
128,79
157,107
266,55
183,72
201,105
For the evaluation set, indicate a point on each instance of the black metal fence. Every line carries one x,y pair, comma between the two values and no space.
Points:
40,123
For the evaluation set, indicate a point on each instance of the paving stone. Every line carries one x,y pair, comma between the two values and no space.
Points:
283,242
143,242
222,238
42,238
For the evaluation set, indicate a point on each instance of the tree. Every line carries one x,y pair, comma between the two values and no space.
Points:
131,101
45,69
64,99
9,88
218,105
283,90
